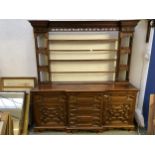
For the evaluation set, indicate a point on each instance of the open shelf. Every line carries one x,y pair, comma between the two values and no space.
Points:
62,72
43,68
98,52
72,60
126,34
42,50
80,40
123,67
85,50
125,50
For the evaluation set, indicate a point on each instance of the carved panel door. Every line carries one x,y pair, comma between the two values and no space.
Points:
119,109
85,110
49,109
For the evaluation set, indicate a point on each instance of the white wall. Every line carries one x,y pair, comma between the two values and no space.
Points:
17,51
140,63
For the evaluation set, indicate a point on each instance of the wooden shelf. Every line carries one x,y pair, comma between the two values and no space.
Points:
84,50
70,72
30,87
76,40
43,68
72,60
126,34
104,51
109,50
125,50
123,67
42,50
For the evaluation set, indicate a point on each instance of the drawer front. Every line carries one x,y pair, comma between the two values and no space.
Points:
85,109
49,109
119,108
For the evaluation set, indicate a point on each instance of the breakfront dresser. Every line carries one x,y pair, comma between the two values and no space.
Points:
83,75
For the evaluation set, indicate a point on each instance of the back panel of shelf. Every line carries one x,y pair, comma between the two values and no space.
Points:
82,56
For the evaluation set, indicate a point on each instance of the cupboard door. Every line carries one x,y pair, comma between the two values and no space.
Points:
119,108
85,110
49,109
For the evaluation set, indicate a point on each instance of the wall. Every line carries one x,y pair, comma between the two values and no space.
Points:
139,65
17,51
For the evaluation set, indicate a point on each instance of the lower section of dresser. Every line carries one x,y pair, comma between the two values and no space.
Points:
96,111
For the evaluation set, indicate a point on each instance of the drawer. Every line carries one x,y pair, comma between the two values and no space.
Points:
50,98
85,109
85,121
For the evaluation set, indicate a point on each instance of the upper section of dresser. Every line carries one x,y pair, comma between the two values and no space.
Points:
83,52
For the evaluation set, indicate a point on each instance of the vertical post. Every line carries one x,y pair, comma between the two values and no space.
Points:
37,57
129,57
48,56
118,55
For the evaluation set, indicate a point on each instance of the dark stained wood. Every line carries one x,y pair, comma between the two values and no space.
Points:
42,50
152,23
129,58
118,58
75,50
83,24
48,56
119,108
83,107
37,56
85,87
81,40
43,68
148,31
49,109
125,50
129,23
123,67
126,34
69,72
74,60
125,28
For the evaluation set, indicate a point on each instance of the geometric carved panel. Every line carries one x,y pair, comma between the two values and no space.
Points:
50,109
119,109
